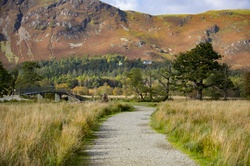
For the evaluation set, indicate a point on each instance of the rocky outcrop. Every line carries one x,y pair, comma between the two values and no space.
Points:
237,47
2,37
212,30
17,24
178,21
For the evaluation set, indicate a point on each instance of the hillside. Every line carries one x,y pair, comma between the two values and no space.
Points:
53,29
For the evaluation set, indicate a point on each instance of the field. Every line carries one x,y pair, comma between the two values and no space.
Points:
212,132
48,133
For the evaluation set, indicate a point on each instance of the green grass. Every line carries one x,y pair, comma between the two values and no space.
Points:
144,104
6,48
240,12
212,133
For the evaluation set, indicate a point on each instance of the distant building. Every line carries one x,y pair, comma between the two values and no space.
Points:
147,62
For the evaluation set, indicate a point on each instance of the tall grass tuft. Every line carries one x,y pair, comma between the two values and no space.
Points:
47,133
217,131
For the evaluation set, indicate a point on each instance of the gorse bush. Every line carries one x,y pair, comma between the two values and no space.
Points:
217,132
47,134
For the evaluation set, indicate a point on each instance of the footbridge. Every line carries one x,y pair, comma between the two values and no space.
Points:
58,95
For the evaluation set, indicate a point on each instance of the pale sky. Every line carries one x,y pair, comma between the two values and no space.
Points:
158,7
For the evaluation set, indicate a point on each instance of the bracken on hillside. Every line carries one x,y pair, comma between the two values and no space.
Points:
52,29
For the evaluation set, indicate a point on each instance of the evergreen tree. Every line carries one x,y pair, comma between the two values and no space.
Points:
196,65
28,76
5,81
247,84
14,74
219,80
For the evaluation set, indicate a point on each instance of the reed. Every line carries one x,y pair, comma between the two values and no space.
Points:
47,133
216,131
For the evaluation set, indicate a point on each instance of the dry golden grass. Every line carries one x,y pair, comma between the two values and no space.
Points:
217,131
47,133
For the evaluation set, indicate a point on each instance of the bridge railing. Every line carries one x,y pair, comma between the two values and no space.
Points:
35,89
47,90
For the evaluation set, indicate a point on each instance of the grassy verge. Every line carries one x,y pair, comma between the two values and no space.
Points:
48,133
215,132
144,104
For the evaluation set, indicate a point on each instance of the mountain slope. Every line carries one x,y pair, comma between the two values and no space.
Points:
52,29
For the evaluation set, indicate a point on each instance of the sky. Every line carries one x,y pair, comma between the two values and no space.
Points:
158,7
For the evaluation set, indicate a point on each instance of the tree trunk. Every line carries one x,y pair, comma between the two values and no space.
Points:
142,98
199,95
167,94
225,94
199,86
166,98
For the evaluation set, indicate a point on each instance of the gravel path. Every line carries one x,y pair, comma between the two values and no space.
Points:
126,139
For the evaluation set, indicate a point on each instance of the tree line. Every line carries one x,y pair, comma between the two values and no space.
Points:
191,73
